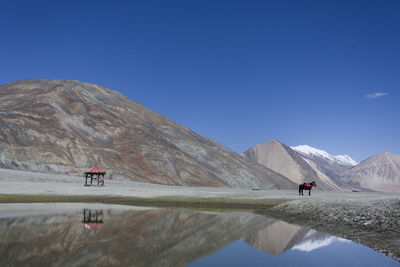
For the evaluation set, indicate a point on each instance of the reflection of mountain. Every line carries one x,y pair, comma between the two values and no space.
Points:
280,236
156,237
141,238
315,242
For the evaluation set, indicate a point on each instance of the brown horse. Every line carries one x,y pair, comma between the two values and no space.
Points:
306,186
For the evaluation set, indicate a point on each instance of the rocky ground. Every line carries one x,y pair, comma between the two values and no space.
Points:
369,218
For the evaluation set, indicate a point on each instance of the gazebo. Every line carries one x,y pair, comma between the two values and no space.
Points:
94,174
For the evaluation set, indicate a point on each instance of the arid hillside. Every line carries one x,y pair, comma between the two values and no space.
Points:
381,172
67,127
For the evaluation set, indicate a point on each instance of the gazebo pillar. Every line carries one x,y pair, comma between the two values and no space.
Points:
86,176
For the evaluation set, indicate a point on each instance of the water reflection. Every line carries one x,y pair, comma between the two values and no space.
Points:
92,219
144,237
279,236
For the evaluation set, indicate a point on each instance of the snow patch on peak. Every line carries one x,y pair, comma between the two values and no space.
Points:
308,150
312,151
346,160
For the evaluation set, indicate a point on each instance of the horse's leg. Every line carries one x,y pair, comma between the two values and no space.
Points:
309,192
299,190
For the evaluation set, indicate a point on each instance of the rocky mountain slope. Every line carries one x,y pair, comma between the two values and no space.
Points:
69,126
291,164
380,172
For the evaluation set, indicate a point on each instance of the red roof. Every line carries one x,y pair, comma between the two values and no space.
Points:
93,226
95,169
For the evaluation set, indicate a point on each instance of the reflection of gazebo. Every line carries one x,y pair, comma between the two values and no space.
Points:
94,174
92,219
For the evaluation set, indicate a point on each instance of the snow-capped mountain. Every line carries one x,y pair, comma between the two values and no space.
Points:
294,165
312,151
380,172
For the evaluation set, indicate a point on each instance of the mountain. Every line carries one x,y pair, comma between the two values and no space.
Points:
314,152
69,126
329,165
380,172
291,164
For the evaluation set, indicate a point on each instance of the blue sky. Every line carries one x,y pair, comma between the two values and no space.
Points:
240,72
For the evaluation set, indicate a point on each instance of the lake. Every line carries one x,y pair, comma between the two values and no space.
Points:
66,234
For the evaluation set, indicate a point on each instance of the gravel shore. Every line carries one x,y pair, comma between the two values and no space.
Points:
370,219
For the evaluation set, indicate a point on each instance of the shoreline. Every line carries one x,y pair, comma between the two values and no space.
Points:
159,202
373,223
369,218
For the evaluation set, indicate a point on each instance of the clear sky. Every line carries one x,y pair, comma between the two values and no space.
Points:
240,72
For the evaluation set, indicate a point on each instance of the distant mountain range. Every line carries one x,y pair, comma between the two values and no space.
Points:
69,126
292,164
380,172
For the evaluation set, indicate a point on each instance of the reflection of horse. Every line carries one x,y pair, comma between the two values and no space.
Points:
306,186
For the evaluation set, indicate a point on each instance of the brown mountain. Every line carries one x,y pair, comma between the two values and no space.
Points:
291,164
68,126
380,172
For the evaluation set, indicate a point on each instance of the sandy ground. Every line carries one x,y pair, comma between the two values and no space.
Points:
365,217
29,183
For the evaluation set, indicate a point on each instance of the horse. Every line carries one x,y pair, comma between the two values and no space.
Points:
306,186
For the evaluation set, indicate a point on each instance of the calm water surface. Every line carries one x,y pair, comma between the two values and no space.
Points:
86,235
